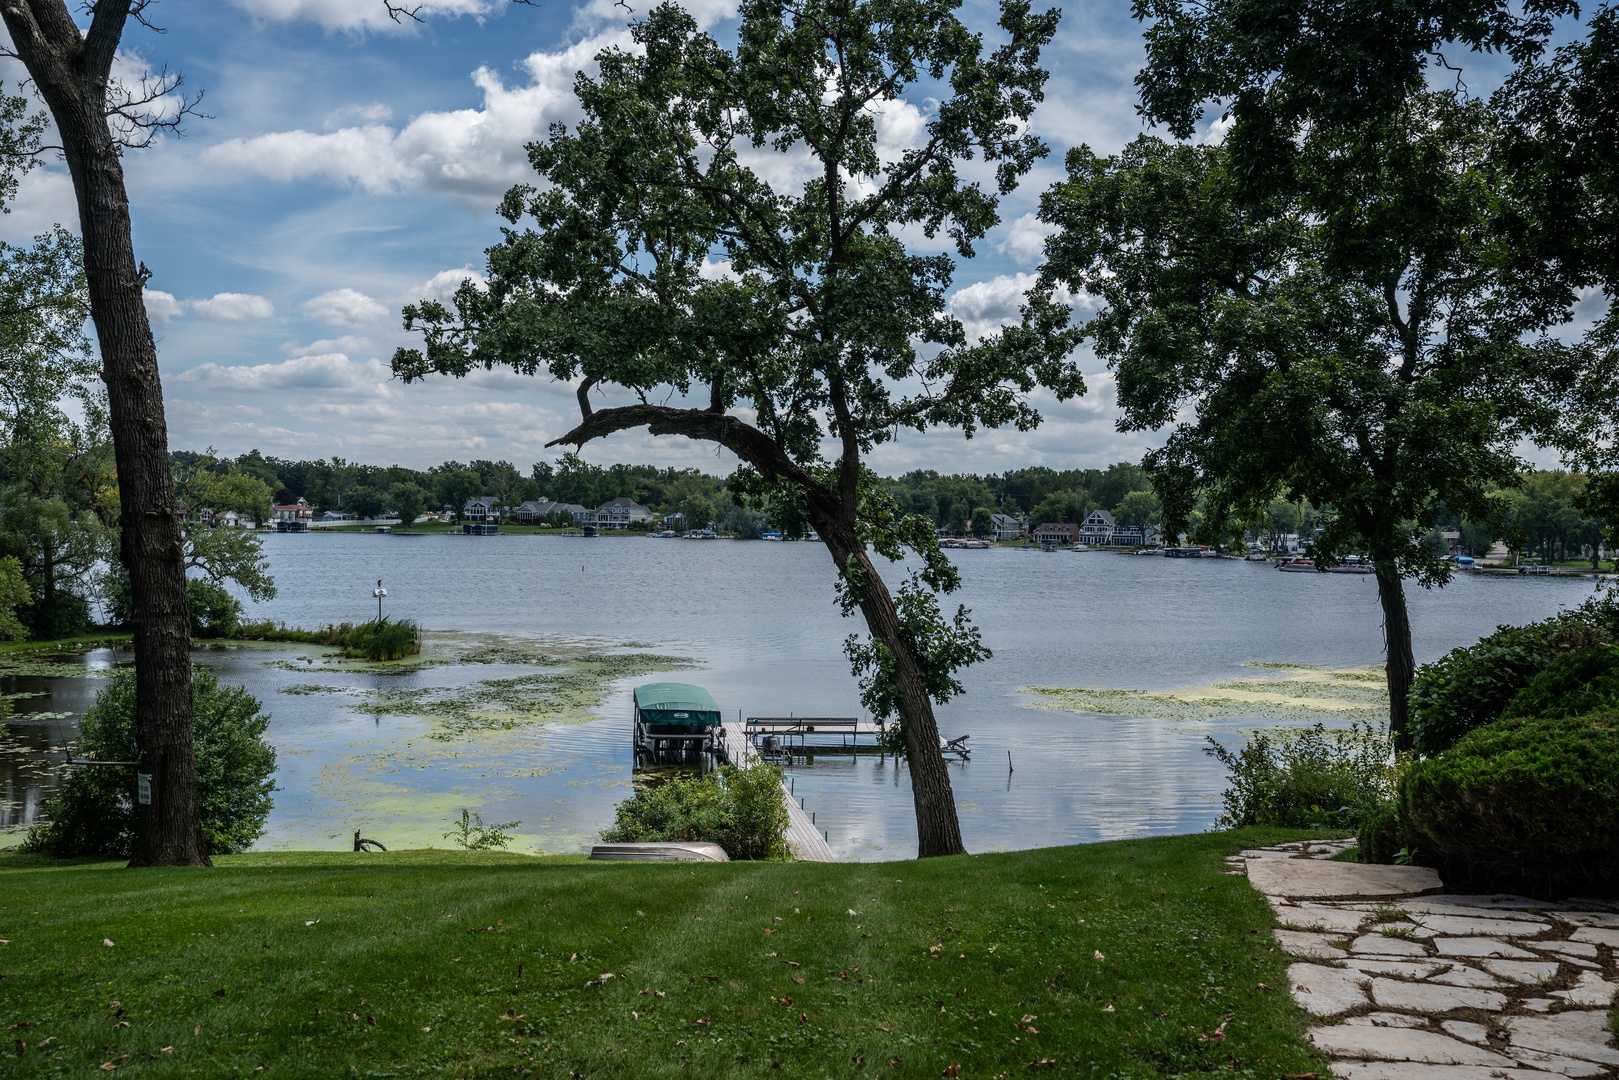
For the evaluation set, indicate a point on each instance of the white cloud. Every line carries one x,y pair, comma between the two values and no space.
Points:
473,153
326,372
162,306
233,307
1219,129
348,343
1025,239
356,15
442,285
44,199
343,307
986,306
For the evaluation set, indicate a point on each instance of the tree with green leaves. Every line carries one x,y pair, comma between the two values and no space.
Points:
1344,296
983,522
732,225
207,489
13,595
364,501
97,115
408,501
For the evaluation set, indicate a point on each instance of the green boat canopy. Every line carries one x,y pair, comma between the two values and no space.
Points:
677,704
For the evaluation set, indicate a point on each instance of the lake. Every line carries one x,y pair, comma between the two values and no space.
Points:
758,623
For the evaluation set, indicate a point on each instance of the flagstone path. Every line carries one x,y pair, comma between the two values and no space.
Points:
1409,983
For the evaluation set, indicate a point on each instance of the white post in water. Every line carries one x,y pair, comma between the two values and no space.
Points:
379,592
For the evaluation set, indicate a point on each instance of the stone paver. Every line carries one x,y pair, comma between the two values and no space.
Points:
1402,1044
1327,991
1523,971
1436,986
1318,878
1467,924
1430,997
1384,945
1305,943
1481,947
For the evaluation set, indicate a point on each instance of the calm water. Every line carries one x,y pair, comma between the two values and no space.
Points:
760,622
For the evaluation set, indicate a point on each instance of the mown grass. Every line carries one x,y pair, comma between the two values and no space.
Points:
1130,959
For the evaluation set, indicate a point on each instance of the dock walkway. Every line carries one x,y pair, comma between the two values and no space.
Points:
803,837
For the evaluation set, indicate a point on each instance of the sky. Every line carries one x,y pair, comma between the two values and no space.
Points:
348,165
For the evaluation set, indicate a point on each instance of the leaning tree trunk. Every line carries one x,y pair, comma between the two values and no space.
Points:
71,68
1401,667
938,831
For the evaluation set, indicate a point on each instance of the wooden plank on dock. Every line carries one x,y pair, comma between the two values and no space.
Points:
804,839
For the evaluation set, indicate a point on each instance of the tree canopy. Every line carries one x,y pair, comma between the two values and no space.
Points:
734,227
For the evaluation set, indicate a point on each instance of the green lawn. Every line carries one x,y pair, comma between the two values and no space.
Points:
1130,959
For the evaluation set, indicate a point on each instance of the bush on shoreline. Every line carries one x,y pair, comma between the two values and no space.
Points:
1470,687
1526,804
741,810
94,813
1316,777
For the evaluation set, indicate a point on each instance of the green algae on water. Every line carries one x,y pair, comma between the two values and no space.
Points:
1352,694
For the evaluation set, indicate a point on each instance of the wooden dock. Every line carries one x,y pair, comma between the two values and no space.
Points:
804,838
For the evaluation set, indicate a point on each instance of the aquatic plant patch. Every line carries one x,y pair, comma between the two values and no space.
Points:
1312,694
1134,958
564,695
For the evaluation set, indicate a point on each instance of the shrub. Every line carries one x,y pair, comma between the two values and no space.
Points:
384,639
1472,686
1574,684
1526,804
94,813
214,612
471,833
741,810
1315,777
1380,835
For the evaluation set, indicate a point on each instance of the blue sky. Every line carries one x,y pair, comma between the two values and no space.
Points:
350,165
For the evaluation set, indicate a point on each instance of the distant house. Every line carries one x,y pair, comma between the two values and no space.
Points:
1005,526
230,519
535,511
1056,533
1098,528
1134,536
337,515
621,513
1452,539
298,511
481,508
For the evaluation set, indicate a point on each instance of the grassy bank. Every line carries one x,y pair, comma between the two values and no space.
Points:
1128,959
70,644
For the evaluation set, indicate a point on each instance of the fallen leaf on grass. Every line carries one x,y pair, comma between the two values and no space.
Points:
109,943
1108,1008
799,981
1098,955
1041,1063
197,1030
109,1066
952,1069
784,1001
512,1015
893,1061
43,1043
802,1019
770,930
702,1021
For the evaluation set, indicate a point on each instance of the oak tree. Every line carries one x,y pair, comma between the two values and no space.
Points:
1344,332
735,245
96,115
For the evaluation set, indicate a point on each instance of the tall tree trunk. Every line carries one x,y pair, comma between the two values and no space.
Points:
938,830
71,69
1401,666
